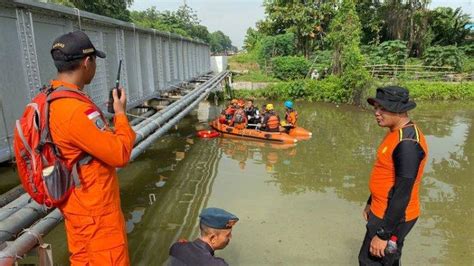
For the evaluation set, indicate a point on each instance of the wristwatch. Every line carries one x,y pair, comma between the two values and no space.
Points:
382,234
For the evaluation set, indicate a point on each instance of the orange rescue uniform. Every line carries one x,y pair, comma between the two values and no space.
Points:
291,117
95,225
383,175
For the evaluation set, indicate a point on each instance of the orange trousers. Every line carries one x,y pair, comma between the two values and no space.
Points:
97,240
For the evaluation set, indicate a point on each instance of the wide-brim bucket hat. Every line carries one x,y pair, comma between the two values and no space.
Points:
393,99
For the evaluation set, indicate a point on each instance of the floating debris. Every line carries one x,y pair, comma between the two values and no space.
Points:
179,155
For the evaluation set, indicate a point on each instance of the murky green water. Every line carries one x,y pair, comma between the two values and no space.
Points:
298,205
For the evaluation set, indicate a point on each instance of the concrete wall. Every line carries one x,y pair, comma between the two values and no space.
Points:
218,63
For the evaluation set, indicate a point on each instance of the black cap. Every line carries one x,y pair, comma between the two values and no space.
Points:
73,45
393,99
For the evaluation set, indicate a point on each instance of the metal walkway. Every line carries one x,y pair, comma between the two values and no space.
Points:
154,64
153,61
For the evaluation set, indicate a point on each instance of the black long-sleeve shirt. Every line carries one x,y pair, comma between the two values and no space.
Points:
406,157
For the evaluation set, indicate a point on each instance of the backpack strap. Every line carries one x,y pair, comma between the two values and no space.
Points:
60,93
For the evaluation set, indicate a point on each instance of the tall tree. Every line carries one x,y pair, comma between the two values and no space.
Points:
110,8
184,21
220,43
308,20
348,61
448,26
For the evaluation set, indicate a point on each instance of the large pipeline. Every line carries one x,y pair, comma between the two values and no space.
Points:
22,217
141,147
11,195
173,106
14,206
30,238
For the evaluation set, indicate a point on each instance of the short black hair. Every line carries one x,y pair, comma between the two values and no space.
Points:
66,66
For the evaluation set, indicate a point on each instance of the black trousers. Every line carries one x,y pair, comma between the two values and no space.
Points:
373,223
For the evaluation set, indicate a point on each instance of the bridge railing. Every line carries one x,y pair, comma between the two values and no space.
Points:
153,61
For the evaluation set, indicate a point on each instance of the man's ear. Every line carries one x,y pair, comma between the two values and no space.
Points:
88,60
212,237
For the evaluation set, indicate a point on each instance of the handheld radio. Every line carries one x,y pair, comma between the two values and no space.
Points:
110,108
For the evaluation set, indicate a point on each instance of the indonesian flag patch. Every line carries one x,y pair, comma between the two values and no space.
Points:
95,117
92,113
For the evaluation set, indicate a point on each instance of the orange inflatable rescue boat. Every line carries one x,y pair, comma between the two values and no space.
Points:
253,133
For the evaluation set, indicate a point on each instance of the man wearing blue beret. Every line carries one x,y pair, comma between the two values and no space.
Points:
216,232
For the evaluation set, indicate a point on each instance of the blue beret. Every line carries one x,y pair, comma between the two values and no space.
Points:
217,218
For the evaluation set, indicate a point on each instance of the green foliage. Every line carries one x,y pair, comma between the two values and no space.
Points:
220,42
252,37
272,46
448,26
329,89
393,52
369,14
425,90
110,8
444,56
468,49
289,67
243,58
348,62
185,22
307,20
321,60
326,90
254,76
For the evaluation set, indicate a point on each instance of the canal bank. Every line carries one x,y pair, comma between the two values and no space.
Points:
298,205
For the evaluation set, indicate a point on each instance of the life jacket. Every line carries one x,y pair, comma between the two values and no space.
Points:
382,178
229,112
273,121
44,173
291,117
239,117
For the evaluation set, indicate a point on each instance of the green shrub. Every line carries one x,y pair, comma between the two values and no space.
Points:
326,90
393,52
254,76
321,60
426,90
468,49
272,46
450,56
329,89
388,52
289,67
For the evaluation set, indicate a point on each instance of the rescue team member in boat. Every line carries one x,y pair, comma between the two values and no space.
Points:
239,120
94,221
216,231
291,116
228,113
252,113
271,121
394,204
230,110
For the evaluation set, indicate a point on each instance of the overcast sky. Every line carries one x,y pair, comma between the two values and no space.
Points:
233,17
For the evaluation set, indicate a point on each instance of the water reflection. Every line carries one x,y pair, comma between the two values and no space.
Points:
298,204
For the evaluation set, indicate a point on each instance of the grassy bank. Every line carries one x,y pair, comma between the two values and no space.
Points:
331,90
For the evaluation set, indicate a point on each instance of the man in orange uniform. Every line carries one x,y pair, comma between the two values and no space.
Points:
94,221
239,119
394,204
271,121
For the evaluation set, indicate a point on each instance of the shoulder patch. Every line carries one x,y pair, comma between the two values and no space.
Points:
91,113
409,133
